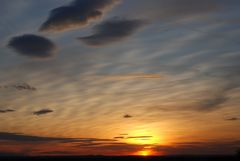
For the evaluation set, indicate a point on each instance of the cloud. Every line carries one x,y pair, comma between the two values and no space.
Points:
232,119
23,86
6,111
57,153
133,137
170,9
213,103
5,136
139,137
108,146
119,137
42,112
76,15
200,148
33,46
133,76
189,7
127,116
112,30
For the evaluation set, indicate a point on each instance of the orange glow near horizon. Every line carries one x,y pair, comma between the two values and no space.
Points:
145,153
146,136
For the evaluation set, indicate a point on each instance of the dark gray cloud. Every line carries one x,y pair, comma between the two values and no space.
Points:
112,30
6,111
118,137
127,116
5,136
232,119
201,148
119,147
57,153
22,86
220,147
133,137
42,112
75,15
139,137
33,46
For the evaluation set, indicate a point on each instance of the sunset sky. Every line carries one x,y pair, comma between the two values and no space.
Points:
119,77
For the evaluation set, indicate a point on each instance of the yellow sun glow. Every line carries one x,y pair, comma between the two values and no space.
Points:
146,136
144,153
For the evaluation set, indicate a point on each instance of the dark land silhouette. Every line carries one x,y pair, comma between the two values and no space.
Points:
123,158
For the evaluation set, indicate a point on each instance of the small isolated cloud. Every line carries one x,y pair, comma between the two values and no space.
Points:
6,111
127,116
23,86
119,137
76,15
232,119
112,30
139,137
42,112
33,46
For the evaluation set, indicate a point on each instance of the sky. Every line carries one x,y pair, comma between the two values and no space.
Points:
119,77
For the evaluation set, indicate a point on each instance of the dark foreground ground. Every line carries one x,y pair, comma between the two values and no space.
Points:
124,158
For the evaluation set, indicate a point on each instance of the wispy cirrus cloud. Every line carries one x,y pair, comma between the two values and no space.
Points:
112,30
76,15
212,103
170,9
133,76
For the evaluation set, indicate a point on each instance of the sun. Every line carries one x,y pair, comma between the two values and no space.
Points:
145,153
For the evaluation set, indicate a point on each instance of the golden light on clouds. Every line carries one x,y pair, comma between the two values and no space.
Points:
145,136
